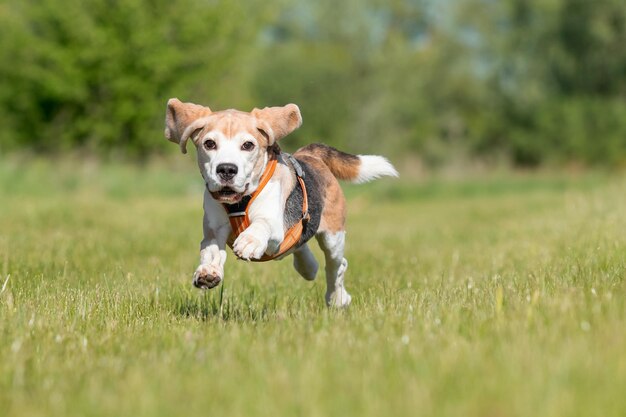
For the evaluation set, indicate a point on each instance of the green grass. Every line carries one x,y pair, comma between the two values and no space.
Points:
500,296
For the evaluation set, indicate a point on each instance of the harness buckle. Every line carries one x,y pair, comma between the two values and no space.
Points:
294,163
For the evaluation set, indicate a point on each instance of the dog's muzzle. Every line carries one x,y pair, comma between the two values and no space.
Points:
228,195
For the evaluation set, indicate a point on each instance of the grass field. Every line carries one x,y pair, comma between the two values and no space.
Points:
500,296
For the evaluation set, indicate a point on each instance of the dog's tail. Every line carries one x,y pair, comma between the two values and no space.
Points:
345,166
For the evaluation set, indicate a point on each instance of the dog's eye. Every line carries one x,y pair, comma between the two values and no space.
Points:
210,144
247,146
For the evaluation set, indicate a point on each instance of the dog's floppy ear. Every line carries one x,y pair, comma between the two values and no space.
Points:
277,122
183,119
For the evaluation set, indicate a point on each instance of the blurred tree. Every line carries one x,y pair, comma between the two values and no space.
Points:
372,75
558,71
97,74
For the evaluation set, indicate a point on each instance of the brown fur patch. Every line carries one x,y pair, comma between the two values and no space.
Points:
343,165
230,122
334,213
179,116
278,122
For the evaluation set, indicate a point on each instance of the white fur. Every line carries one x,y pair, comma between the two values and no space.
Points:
372,167
216,228
332,245
229,151
266,230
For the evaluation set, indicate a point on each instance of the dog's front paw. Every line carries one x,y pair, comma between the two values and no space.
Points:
207,277
249,247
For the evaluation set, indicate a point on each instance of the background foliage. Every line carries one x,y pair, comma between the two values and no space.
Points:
528,81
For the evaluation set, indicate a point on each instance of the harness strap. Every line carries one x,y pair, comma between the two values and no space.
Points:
239,220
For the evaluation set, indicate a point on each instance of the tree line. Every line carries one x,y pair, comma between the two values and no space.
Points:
529,81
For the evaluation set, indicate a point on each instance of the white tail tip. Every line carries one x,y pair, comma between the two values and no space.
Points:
372,167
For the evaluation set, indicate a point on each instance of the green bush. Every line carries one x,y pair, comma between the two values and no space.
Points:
96,74
586,130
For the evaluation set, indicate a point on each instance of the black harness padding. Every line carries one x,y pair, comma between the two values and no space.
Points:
293,205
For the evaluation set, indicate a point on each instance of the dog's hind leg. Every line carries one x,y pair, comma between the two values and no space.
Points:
304,262
332,245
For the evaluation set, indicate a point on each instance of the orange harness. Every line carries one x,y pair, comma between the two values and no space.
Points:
239,221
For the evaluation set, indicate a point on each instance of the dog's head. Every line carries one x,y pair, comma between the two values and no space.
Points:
232,145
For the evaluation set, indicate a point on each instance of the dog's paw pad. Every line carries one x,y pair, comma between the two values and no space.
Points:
207,277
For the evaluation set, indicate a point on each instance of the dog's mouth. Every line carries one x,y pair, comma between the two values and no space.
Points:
228,195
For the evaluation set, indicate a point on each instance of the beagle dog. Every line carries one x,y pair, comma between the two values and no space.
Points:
263,203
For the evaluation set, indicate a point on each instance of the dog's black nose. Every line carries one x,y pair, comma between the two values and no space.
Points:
226,171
